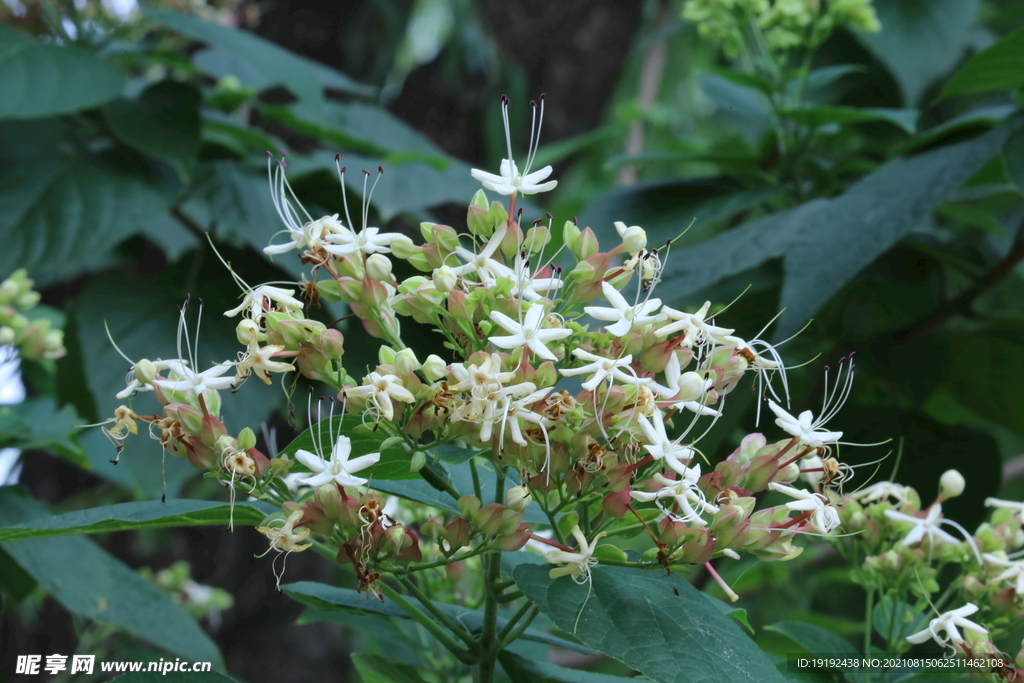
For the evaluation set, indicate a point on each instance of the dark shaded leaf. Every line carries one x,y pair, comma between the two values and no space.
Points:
816,117
523,670
1013,159
813,639
998,67
37,424
637,618
379,669
40,80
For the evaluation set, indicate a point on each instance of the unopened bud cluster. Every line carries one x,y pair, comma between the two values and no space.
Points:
35,338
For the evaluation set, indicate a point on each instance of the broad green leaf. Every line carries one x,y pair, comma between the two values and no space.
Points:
37,424
816,117
174,677
637,618
92,584
142,515
990,382
163,122
974,121
813,639
16,584
920,40
825,242
896,619
1013,159
324,597
62,208
744,79
221,63
827,75
321,437
331,135
276,64
379,669
40,80
523,670
998,67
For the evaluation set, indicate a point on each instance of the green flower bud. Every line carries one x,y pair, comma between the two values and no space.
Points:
403,247
952,484
246,439
445,279
434,367
406,362
518,498
378,267
418,461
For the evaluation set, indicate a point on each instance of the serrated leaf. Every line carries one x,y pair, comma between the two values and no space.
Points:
91,584
141,515
637,618
998,67
163,122
324,597
40,80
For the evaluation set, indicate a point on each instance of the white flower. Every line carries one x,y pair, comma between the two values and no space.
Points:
285,538
824,518
601,368
486,268
622,314
812,470
183,378
683,492
687,389
634,239
258,301
338,469
509,180
927,526
367,240
381,390
517,409
948,622
302,234
697,331
260,360
660,446
479,380
577,563
527,287
881,492
1014,570
805,428
1016,506
529,332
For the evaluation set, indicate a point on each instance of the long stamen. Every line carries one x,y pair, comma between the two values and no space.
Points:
508,134
344,191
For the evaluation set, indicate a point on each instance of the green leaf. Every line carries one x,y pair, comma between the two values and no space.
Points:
920,40
324,597
142,515
998,67
393,463
990,382
92,584
40,80
1013,159
37,424
637,618
378,669
61,208
221,63
813,639
816,117
162,123
175,677
896,619
826,242
523,670
276,64
744,79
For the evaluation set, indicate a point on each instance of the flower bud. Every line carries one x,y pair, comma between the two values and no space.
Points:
402,247
633,238
418,461
378,267
951,484
386,355
586,244
468,505
570,231
145,371
445,279
247,331
434,367
7,335
518,498
246,439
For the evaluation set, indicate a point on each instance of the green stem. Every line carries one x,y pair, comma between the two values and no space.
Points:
426,622
476,479
438,614
488,636
510,632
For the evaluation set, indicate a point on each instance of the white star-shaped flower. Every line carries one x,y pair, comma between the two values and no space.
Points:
367,241
927,526
258,300
881,492
338,469
948,622
186,379
1013,570
683,492
697,331
509,180
382,390
529,333
486,268
805,427
824,518
577,563
660,446
600,368
622,314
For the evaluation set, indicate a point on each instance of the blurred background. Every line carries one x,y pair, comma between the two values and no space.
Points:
853,164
